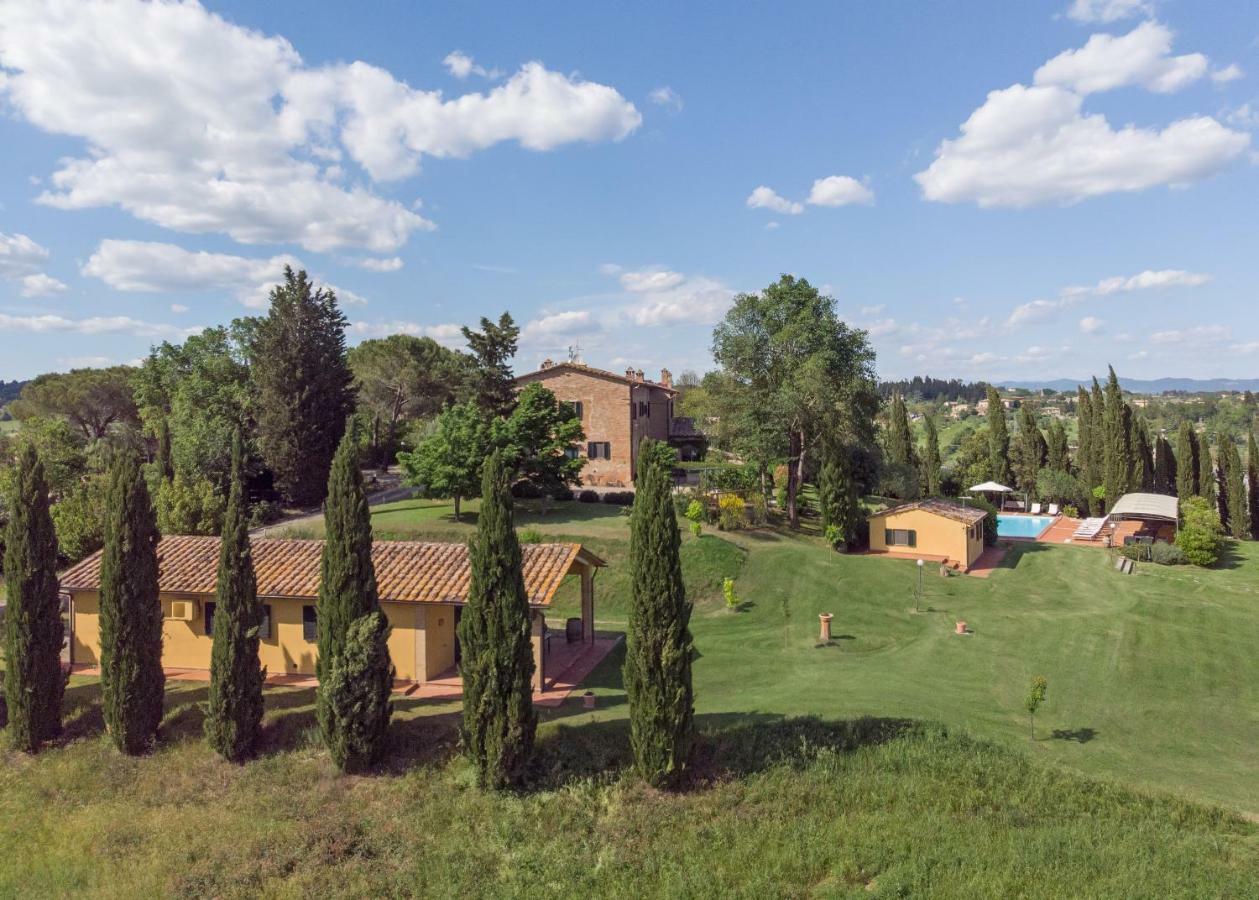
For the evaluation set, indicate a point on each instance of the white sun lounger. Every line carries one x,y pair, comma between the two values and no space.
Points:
1053,509
1089,528
1036,509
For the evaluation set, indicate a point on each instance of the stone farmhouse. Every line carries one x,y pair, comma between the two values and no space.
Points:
617,412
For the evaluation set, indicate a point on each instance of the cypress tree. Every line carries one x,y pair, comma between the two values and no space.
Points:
837,494
998,438
495,634
1252,485
1223,482
900,440
1206,473
165,457
304,386
347,577
1097,449
358,689
1057,450
931,460
132,680
1166,474
33,682
234,709
1029,451
1117,454
1143,457
1084,453
1238,500
1186,463
658,640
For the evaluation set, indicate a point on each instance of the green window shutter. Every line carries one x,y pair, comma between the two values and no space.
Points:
310,624
913,538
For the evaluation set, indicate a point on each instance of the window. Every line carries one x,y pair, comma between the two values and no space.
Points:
598,450
207,610
900,537
310,624
644,409
264,627
571,452
578,409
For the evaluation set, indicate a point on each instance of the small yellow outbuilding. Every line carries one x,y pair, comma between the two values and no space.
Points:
934,529
422,587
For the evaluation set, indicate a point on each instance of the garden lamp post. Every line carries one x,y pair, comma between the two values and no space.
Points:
918,596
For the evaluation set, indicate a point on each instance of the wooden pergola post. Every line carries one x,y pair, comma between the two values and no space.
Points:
588,605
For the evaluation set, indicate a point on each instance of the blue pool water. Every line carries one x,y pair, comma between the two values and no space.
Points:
1022,526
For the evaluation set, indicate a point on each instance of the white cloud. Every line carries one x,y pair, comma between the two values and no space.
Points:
882,328
1150,279
1140,57
1032,145
19,255
559,325
178,308
1108,10
766,198
377,264
1199,336
1228,73
1243,116
152,267
866,310
650,280
696,300
461,66
1091,324
41,285
839,190
772,225
198,125
666,97
447,334
93,325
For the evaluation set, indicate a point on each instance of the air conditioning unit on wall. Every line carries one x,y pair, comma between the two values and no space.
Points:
183,610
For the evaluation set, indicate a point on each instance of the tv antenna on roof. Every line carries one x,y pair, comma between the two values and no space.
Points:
574,354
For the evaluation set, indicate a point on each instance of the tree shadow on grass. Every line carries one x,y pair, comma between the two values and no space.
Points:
1077,735
1229,557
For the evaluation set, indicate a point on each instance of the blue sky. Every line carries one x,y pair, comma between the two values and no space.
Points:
994,190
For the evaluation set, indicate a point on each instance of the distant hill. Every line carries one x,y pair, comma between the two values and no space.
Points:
9,391
1146,386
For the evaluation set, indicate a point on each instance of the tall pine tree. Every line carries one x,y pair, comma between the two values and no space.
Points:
1166,473
1143,457
1057,449
234,710
1223,482
931,460
347,578
304,386
1252,484
658,647
1097,448
1206,472
33,681
132,680
493,387
357,691
837,493
1238,499
1029,451
1117,454
165,458
495,636
998,438
900,439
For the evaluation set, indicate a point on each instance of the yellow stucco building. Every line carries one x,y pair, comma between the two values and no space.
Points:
933,529
422,587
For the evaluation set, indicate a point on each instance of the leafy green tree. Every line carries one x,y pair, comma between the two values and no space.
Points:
998,438
537,437
33,682
659,648
400,378
358,689
448,463
791,373
200,392
1036,693
80,515
495,635
234,709
1056,486
1252,484
303,384
931,460
92,400
188,505
1186,462
132,680
1199,534
347,576
493,385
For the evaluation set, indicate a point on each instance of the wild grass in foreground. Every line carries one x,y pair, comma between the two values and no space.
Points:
870,807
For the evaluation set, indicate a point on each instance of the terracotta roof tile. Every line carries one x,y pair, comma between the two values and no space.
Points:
406,571
955,511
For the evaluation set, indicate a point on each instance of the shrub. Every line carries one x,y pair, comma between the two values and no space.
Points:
731,513
588,496
619,498
1167,555
1199,536
1071,512
727,591
760,508
526,490
834,536
530,536
264,513
697,529
562,494
79,518
695,511
189,506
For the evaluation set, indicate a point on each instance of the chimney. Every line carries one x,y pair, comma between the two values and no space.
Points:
629,373
666,378
547,363
638,374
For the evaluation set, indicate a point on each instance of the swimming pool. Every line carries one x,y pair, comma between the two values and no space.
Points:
1022,526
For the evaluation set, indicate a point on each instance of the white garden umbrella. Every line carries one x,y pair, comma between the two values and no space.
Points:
992,487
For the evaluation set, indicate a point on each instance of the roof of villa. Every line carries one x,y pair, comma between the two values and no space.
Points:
583,369
406,571
956,511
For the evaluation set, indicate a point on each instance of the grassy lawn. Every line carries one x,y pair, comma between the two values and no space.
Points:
815,773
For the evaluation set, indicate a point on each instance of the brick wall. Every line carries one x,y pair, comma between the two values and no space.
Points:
605,418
